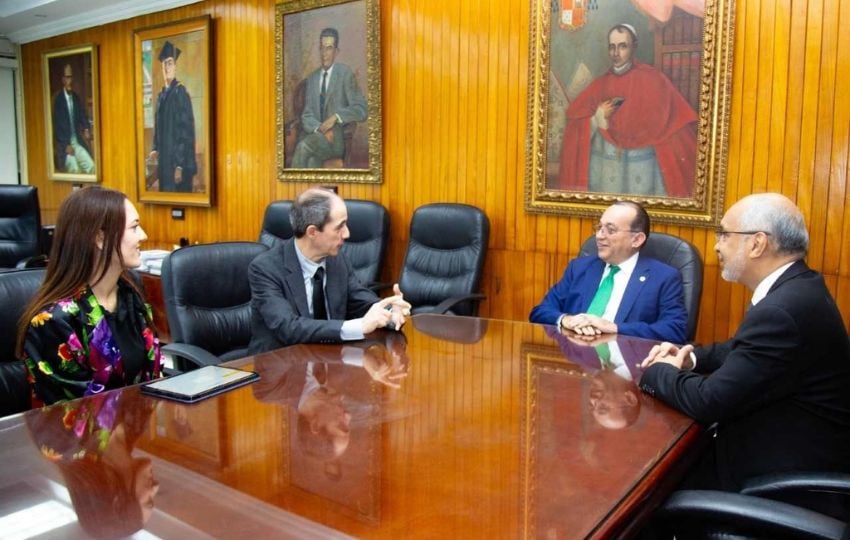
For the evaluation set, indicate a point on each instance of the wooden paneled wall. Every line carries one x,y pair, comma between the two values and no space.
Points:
455,93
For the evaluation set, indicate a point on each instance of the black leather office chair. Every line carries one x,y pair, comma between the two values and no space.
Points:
208,301
786,505
679,254
445,259
16,290
20,226
276,224
369,225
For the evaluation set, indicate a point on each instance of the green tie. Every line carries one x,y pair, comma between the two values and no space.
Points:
604,353
603,293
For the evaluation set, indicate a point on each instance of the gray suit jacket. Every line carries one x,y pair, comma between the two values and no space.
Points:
343,97
279,311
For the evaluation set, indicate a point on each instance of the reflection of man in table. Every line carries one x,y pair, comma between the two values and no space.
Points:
333,99
612,362
71,129
630,130
174,129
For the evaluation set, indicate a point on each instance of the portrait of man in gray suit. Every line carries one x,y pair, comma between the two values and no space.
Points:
333,105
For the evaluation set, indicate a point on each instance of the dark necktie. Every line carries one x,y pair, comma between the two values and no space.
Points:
319,309
603,293
322,93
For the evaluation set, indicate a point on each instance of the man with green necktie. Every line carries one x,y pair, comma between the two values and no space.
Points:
618,290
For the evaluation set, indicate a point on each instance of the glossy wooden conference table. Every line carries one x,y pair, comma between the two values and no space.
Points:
456,427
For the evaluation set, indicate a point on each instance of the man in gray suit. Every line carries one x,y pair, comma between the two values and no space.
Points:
333,99
304,289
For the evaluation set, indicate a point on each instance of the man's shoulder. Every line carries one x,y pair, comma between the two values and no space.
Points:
583,261
272,256
659,269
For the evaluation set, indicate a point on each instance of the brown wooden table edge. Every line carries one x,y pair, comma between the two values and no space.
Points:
626,519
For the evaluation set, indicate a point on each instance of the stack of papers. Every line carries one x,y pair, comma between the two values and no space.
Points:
152,261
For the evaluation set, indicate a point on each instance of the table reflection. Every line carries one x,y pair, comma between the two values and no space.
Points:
337,397
91,442
452,427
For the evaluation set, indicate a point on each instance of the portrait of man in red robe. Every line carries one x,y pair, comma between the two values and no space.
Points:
629,131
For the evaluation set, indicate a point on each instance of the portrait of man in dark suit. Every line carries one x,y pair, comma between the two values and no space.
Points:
70,107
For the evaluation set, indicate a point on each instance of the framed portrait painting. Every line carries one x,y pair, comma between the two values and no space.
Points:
328,90
71,114
173,95
629,99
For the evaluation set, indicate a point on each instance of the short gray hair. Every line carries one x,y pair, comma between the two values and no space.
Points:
786,227
313,207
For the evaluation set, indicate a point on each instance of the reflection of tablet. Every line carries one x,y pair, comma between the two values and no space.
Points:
199,384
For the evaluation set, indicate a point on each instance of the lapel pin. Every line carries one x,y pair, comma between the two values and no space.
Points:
642,278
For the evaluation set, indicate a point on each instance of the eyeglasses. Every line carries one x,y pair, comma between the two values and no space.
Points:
723,234
610,230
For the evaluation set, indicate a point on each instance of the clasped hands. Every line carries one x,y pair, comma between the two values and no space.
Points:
667,353
588,325
392,309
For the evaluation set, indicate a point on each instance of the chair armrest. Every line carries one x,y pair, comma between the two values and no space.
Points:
823,492
194,354
36,261
765,486
706,512
444,306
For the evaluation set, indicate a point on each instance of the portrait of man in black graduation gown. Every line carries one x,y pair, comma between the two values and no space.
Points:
174,129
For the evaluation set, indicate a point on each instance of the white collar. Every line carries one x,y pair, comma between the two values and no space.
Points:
627,266
622,69
308,267
764,285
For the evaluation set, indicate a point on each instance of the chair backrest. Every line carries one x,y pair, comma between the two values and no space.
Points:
20,224
679,254
369,225
445,255
276,224
16,290
207,296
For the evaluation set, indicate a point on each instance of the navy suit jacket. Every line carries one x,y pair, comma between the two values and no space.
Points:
653,304
279,312
778,388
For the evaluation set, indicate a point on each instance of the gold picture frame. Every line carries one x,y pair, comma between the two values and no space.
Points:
308,147
173,117
72,123
570,136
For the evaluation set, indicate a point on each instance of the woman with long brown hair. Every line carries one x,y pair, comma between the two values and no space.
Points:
88,328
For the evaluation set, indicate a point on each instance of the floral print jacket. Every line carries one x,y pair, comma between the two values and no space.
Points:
70,351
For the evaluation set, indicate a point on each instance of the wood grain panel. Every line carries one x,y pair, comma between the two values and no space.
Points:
455,93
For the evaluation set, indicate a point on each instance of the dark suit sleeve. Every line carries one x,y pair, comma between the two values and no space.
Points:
360,297
758,369
672,320
270,300
560,299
